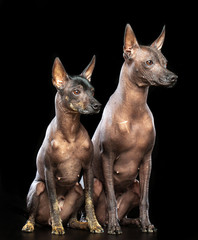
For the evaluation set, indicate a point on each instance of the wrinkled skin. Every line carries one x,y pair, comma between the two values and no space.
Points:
66,153
125,137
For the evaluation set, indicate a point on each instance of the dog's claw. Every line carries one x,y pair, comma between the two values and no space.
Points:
28,227
58,230
114,230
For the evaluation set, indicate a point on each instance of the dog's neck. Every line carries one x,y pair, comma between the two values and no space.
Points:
132,96
68,121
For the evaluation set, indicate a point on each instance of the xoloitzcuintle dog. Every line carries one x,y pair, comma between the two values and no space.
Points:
124,139
66,153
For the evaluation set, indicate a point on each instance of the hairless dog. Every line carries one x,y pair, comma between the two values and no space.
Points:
66,153
125,137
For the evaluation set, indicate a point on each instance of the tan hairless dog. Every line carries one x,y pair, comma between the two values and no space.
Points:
125,137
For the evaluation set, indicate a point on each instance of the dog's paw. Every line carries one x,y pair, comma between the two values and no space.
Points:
28,227
95,227
114,228
74,223
58,230
149,228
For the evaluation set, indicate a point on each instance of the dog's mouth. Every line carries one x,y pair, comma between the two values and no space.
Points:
167,83
172,84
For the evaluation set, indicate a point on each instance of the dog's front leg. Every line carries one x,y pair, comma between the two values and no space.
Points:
57,227
93,224
113,224
144,173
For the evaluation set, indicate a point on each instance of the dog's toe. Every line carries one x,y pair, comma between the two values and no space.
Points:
97,229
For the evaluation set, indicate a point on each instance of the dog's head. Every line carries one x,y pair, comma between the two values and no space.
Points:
77,93
147,62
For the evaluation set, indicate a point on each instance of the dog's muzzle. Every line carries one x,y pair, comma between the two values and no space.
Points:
168,81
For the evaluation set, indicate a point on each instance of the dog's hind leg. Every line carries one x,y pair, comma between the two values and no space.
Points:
76,224
73,202
33,198
126,202
73,221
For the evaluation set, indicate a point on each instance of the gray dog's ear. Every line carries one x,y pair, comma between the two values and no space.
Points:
158,43
130,43
87,73
59,75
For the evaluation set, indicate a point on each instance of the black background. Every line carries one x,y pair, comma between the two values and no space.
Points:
33,33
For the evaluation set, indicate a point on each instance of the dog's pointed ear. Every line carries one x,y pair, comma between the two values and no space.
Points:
158,43
87,73
59,75
130,43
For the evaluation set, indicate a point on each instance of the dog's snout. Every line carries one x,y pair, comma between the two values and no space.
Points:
168,80
171,80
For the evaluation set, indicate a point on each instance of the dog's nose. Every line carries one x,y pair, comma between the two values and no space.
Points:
173,78
96,106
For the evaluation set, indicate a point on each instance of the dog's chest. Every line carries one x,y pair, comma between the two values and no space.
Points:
67,159
132,135
62,150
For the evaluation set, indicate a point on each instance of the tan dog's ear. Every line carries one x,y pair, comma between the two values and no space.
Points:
59,75
130,43
87,73
158,43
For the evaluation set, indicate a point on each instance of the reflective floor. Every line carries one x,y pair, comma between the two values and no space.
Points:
44,233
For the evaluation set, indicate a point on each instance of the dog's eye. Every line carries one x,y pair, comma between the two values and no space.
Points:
149,62
76,92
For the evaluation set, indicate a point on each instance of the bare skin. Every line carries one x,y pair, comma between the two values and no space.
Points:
56,195
125,137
